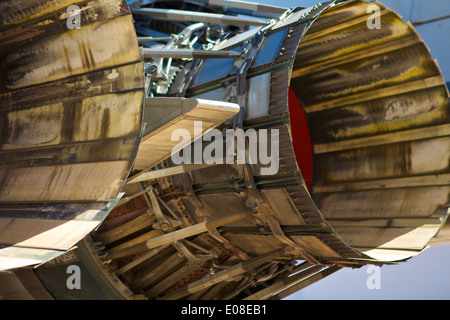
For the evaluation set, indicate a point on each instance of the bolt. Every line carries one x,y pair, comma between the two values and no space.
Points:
165,226
152,69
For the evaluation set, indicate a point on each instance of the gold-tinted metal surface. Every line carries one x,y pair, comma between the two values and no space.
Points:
378,112
71,103
166,115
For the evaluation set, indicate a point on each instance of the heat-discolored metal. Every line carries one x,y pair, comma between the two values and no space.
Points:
365,180
71,104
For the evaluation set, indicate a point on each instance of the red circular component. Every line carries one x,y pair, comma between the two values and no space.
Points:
301,139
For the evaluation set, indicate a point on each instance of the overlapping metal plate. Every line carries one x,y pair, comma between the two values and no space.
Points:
378,112
377,109
71,103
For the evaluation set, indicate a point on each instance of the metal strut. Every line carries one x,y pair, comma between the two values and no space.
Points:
273,223
225,275
201,212
196,229
190,16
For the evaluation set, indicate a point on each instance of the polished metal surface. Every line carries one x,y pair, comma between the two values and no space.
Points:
70,119
354,118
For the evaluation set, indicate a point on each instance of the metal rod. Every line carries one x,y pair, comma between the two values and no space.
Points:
302,266
196,246
171,279
244,5
129,198
171,262
161,173
164,223
241,287
139,260
283,284
152,39
164,204
192,16
188,53
214,291
303,284
225,275
196,229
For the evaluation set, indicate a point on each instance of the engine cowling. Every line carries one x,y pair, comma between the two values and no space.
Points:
338,127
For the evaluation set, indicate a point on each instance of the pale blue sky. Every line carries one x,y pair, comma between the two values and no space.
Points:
426,276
